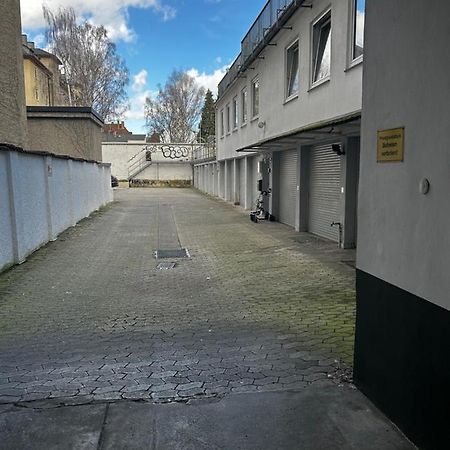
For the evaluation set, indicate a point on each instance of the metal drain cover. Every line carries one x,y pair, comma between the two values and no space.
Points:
177,253
165,266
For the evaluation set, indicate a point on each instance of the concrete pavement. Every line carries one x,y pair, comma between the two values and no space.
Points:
311,419
255,308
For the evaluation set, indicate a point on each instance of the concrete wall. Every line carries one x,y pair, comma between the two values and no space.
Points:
339,96
119,154
41,196
12,92
70,131
403,235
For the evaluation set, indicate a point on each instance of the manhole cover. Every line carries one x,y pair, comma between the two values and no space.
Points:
165,266
178,253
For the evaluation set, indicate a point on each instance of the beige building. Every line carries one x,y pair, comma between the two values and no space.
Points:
42,76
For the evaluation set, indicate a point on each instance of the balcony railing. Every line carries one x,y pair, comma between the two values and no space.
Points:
274,14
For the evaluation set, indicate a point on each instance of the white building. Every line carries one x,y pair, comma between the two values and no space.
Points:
288,113
402,344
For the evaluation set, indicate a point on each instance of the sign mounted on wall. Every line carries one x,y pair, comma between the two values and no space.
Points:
391,144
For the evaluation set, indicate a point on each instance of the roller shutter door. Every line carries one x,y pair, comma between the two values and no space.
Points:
242,186
288,187
324,192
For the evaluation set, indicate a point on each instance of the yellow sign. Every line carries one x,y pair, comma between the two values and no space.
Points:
390,146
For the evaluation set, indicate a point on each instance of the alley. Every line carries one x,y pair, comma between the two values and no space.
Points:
91,315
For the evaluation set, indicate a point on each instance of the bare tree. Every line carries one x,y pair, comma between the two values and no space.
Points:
175,111
93,74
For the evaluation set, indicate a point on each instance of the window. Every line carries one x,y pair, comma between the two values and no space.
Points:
292,70
321,51
235,113
228,118
255,97
244,106
222,128
359,8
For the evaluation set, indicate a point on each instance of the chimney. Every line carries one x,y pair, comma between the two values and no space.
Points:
24,39
31,45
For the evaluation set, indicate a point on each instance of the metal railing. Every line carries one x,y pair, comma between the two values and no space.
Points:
266,22
191,153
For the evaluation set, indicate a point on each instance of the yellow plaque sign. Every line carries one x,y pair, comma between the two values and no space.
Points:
390,146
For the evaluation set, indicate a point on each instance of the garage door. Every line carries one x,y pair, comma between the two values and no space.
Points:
288,187
324,192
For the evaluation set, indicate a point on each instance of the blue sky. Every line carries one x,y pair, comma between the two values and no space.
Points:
156,36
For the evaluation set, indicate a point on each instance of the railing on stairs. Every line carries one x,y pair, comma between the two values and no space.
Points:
192,153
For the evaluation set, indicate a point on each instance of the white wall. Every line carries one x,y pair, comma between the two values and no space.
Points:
403,235
41,196
118,155
169,171
340,95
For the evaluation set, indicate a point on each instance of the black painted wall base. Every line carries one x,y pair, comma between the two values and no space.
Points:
402,359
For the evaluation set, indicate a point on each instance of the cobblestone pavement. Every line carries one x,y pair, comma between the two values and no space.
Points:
256,307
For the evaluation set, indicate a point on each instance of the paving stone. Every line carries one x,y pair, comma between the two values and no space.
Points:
291,318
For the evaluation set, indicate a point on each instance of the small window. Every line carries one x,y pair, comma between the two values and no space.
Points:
244,106
228,119
222,128
359,11
292,75
235,113
321,48
255,97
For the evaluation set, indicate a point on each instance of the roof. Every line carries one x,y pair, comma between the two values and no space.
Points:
29,53
44,54
346,125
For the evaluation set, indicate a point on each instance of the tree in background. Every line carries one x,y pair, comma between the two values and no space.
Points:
93,74
175,111
207,127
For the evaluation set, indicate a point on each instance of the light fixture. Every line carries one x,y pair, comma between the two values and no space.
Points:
338,149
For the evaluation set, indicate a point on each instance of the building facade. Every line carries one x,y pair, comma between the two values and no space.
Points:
402,342
42,76
288,116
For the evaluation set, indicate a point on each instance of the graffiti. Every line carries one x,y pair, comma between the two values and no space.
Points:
169,151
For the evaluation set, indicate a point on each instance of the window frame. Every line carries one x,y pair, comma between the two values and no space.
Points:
287,78
244,106
228,118
352,60
235,113
255,82
321,21
222,123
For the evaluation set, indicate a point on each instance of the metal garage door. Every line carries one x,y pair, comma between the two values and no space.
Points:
288,186
324,192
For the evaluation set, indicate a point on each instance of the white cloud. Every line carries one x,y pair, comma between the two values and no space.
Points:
208,80
137,105
113,14
139,81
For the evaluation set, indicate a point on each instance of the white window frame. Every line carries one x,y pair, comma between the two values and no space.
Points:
244,106
321,21
287,77
228,118
352,61
255,81
222,123
235,113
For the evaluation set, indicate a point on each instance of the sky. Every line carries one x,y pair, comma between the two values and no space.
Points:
201,37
